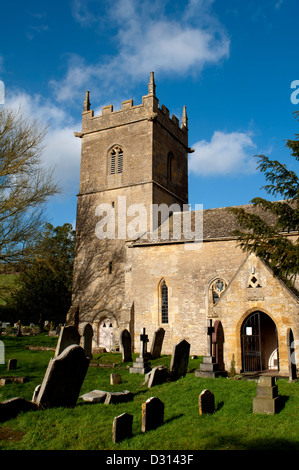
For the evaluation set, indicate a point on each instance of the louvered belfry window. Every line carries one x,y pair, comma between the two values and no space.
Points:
116,160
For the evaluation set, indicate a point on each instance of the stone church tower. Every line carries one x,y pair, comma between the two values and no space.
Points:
129,275
135,155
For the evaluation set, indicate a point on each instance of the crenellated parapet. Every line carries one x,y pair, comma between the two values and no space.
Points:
129,113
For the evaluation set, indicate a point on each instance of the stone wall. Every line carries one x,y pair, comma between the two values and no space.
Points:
188,275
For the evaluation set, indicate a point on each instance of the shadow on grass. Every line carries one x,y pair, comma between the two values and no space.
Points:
224,442
219,406
283,400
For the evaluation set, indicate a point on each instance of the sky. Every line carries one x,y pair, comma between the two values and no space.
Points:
233,63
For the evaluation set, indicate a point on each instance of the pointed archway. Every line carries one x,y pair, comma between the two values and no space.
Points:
259,343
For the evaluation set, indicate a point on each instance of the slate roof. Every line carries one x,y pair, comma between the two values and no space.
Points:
218,224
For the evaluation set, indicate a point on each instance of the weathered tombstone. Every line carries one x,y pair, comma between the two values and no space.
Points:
19,328
267,400
68,335
157,376
157,342
86,340
179,359
126,346
115,379
291,355
11,408
118,397
217,344
95,396
35,393
63,378
206,402
141,365
212,364
122,427
152,414
12,364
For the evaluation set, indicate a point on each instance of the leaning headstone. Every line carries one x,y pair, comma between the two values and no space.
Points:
86,340
152,414
291,355
122,427
68,335
141,365
11,408
267,400
206,402
63,378
157,376
12,364
157,342
180,359
126,346
115,379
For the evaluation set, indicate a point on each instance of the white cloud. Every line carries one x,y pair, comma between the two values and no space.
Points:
62,150
278,4
147,39
225,154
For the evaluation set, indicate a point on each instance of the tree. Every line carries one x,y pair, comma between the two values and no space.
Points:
24,185
45,282
266,236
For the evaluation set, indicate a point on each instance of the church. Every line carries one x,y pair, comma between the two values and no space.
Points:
143,260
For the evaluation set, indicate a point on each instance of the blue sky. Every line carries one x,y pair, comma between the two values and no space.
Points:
230,62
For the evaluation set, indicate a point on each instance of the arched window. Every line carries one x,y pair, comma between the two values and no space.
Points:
164,301
116,160
217,289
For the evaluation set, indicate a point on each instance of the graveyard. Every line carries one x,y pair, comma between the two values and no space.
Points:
222,419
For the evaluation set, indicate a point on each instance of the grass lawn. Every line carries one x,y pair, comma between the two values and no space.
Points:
233,426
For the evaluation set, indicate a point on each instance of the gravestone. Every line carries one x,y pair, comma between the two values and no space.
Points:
115,379
180,359
157,343
141,365
118,397
35,393
126,346
12,364
95,396
152,414
291,355
212,364
267,400
122,427
2,353
86,340
68,335
19,329
63,378
217,344
206,402
157,376
11,408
